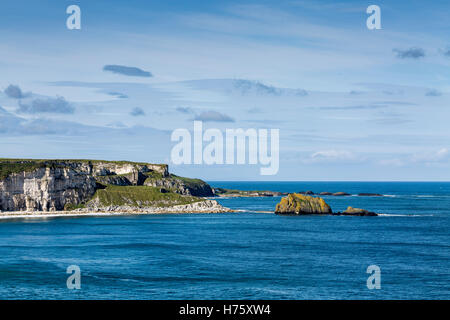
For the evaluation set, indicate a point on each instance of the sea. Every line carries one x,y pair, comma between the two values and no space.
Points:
248,254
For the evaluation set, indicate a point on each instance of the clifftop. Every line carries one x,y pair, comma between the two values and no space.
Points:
99,167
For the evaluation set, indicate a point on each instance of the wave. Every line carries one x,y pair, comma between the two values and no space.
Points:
404,215
253,211
416,195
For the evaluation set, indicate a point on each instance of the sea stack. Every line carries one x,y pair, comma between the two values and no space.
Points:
299,204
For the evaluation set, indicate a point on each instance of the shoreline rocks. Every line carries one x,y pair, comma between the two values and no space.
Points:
307,193
203,206
207,206
341,194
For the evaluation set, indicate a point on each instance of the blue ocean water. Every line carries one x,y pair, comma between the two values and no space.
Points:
252,254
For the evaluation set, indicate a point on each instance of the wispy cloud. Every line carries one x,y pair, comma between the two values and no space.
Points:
390,119
331,156
127,71
446,52
433,93
365,107
411,53
118,95
213,116
136,112
432,157
46,105
14,92
394,162
186,110
255,87
428,158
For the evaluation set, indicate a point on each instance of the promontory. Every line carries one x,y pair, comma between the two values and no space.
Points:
29,185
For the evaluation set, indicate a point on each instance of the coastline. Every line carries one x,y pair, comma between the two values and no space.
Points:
56,214
206,206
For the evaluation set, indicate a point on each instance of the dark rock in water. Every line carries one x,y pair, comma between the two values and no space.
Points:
266,194
222,192
340,194
358,212
300,204
309,192
325,194
364,194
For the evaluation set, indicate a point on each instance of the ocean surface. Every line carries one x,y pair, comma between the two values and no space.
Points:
251,254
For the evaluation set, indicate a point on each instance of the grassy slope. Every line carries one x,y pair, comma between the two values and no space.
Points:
140,196
190,182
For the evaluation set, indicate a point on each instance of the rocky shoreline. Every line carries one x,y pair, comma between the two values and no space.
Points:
207,206
203,206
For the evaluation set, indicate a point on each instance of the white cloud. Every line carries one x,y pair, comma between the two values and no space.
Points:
421,158
392,162
430,157
331,156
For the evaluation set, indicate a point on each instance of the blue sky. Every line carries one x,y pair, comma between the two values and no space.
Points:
350,103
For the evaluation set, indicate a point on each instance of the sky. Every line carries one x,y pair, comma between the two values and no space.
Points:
351,104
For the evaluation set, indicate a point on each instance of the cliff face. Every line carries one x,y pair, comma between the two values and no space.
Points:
51,185
45,189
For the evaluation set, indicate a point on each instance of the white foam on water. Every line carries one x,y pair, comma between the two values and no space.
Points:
403,215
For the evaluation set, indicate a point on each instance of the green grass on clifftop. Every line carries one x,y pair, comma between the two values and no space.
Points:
140,196
190,182
9,166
